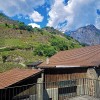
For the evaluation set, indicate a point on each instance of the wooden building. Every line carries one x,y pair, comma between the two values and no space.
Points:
70,65
19,84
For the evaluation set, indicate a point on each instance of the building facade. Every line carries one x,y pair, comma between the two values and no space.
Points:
76,64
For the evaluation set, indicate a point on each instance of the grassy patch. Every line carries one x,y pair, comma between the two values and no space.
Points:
7,66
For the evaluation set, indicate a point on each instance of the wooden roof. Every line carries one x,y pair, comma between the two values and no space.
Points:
81,57
15,75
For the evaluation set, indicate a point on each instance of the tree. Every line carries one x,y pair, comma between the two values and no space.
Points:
4,58
59,43
29,28
44,50
21,26
6,25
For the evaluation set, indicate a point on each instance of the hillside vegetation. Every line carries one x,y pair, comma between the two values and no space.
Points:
21,44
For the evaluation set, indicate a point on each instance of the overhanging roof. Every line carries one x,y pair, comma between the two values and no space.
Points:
15,75
81,57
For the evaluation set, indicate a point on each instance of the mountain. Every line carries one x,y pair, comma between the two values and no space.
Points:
21,44
88,35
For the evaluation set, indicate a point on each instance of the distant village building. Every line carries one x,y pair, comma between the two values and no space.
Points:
34,65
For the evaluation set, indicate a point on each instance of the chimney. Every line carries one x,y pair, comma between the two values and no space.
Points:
47,61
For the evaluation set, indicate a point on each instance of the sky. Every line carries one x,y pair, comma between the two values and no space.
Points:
63,15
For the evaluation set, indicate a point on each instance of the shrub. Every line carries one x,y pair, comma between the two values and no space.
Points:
22,26
29,28
59,43
44,50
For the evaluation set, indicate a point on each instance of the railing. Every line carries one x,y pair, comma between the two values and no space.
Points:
71,88
27,92
62,90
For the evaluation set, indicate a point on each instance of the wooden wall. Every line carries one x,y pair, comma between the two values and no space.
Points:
61,74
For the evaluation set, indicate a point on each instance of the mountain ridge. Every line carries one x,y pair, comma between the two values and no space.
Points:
88,35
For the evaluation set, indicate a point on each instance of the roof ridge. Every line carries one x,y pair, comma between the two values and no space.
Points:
78,56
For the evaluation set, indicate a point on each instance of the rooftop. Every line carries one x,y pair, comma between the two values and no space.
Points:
81,57
34,64
15,75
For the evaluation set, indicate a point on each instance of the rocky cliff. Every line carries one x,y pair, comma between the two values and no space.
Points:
89,35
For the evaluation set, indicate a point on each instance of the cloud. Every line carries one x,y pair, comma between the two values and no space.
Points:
36,17
17,7
34,25
97,22
62,15
76,13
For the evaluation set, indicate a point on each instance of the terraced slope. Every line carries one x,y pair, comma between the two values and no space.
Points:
21,44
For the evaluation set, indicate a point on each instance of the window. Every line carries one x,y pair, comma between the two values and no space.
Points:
66,90
66,87
67,83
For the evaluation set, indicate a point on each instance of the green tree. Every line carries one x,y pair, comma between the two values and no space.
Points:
59,43
29,28
22,26
7,25
4,58
44,50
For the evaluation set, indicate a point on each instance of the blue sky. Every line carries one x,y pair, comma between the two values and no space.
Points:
63,15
